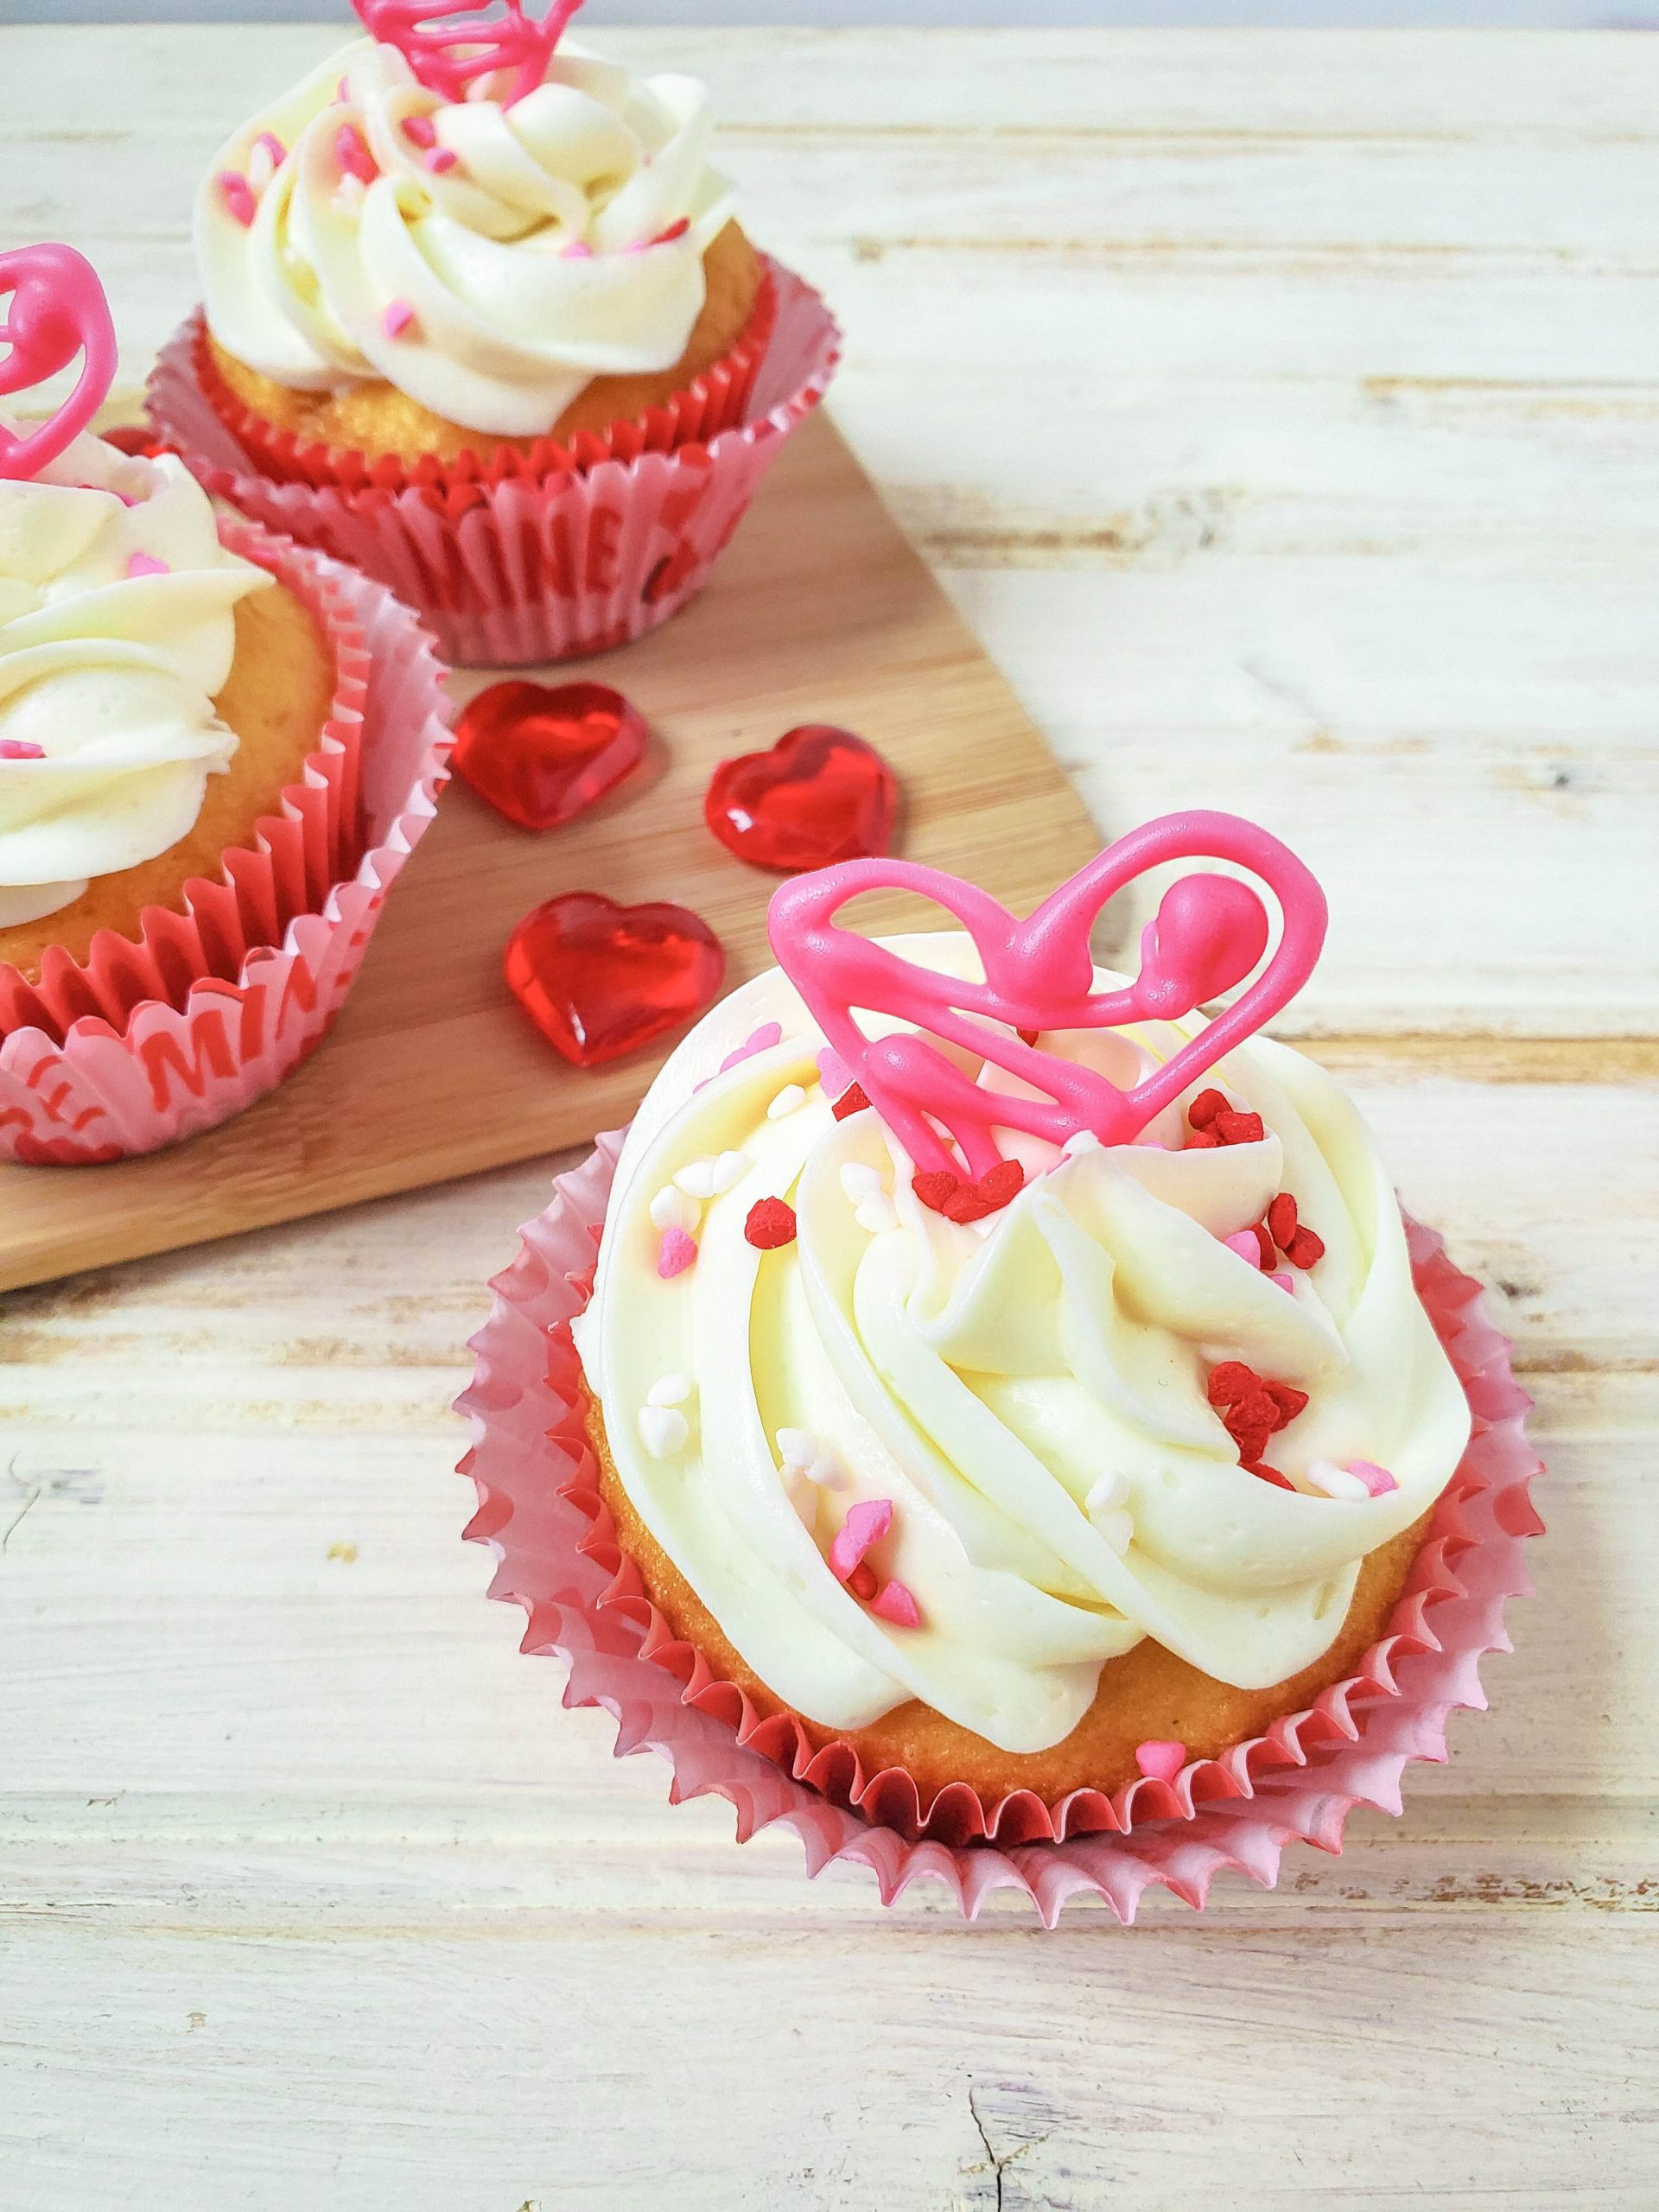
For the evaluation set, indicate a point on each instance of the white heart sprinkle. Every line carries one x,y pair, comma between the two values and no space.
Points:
1083,1140
859,1180
730,1170
1334,1481
672,1208
787,1100
261,167
696,1179
798,1448
671,1389
876,1214
663,1432
1109,1491
348,196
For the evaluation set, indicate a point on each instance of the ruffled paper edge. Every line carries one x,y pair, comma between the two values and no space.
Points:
1297,1781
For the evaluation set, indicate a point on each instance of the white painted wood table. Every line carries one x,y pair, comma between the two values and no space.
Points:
1283,411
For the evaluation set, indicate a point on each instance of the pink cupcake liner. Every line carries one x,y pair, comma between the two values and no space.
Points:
147,1043
523,571
540,1513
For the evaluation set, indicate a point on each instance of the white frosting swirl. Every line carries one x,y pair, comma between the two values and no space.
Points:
989,1380
526,263
116,633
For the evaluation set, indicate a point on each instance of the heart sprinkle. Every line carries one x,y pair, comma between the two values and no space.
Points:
770,1224
820,795
1160,1761
399,316
850,1102
146,565
1252,1411
664,1432
944,1192
420,131
21,749
1214,1121
674,1254
440,160
673,1208
758,1040
239,197
352,152
670,1390
866,1524
833,1071
1299,1245
789,1100
599,980
893,1602
1378,1480
541,755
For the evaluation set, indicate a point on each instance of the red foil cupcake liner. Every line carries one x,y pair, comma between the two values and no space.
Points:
519,568
541,1513
147,1042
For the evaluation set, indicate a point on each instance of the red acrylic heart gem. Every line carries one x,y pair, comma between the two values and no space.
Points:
819,796
541,756
599,980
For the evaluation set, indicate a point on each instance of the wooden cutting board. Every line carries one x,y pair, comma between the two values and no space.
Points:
819,612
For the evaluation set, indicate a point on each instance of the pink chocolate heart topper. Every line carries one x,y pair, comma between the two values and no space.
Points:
56,310
450,49
1210,931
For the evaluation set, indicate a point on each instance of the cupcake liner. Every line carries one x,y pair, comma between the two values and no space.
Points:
541,1514
145,1043
518,570
713,403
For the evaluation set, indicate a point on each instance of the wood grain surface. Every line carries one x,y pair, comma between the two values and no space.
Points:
820,612
1280,410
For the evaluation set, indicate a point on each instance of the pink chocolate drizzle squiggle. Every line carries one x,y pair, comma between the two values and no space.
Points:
57,310
1208,934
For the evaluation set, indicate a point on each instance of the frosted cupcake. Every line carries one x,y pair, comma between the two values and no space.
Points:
215,752
479,318
1022,1384
391,273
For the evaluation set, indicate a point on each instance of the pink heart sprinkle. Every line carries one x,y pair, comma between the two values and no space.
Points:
274,146
238,195
439,159
674,1254
398,317
579,249
759,1040
865,1525
19,749
834,1072
1247,1244
1285,1280
894,1603
1160,1761
1376,1479
420,131
146,565
352,152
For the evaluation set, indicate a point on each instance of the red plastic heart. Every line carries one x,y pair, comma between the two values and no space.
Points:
599,980
820,795
542,756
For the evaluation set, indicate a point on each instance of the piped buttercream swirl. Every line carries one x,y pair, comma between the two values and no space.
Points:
117,631
1029,1393
487,258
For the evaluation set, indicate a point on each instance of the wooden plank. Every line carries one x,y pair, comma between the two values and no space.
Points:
820,612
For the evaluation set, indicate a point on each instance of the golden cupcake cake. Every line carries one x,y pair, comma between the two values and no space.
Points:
417,255
1001,1367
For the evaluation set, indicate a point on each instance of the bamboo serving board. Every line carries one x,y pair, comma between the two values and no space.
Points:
820,612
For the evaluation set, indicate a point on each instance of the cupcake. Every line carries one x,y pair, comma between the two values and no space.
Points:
216,750
464,300
158,694
1001,1375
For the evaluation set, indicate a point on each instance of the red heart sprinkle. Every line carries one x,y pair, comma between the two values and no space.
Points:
965,1205
861,1581
1002,1184
599,980
1304,1249
1231,1380
136,439
1203,1140
936,1189
542,756
819,796
1281,1220
1205,1107
1239,1128
850,1102
771,1224
1287,1400
1264,1248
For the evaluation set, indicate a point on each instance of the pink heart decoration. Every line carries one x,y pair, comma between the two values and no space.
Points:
449,50
58,309
1209,932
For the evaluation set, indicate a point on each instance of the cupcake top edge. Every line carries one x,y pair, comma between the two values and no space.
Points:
487,257
117,618
960,1431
